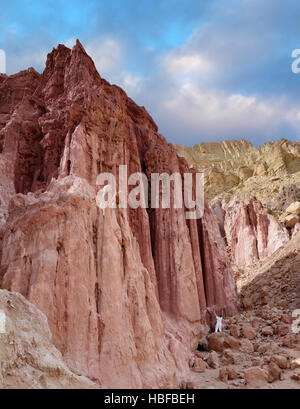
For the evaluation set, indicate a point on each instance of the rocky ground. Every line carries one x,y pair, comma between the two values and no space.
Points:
258,347
255,350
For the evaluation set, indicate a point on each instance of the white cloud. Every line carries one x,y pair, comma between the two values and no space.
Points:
109,57
131,83
36,59
70,42
177,65
107,54
207,115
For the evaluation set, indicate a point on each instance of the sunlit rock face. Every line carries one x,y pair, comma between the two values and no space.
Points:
239,168
252,234
126,293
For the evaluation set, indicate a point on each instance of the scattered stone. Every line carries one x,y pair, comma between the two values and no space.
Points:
257,361
228,357
197,365
256,322
248,331
216,341
281,361
231,342
288,341
287,319
274,372
223,375
227,373
246,346
267,359
290,220
267,331
282,329
234,331
294,208
213,360
295,364
187,385
256,377
262,349
231,373
231,357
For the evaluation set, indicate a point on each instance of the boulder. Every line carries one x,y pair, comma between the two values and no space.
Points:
231,342
296,376
295,364
267,331
227,373
281,361
234,331
282,329
257,361
274,372
246,346
223,375
256,377
293,208
199,365
213,360
291,220
248,331
216,341
231,357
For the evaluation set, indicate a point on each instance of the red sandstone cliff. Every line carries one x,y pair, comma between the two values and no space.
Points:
126,294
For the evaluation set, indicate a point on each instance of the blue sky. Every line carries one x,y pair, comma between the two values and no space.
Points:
206,70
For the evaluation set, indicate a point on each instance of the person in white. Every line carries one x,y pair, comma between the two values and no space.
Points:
219,323
2,322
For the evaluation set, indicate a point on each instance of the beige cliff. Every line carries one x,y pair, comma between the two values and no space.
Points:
238,168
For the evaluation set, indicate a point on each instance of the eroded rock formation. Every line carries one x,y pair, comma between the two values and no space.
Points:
127,293
252,233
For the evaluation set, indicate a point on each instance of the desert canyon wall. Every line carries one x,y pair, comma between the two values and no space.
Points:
254,192
127,293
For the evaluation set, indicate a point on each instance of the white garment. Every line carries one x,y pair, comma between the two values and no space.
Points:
219,324
2,322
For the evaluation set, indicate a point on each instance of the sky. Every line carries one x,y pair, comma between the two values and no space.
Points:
206,70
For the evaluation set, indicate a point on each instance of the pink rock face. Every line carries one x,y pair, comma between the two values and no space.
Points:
251,232
296,229
126,293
